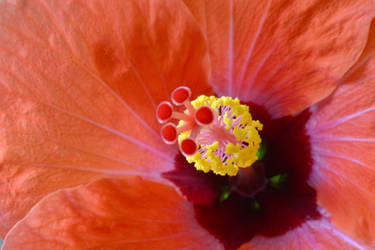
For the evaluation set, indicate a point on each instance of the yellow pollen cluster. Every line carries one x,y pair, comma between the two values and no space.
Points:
230,142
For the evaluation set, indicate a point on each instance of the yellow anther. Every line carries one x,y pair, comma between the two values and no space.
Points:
232,149
230,142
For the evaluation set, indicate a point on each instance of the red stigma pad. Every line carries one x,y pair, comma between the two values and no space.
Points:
188,146
180,95
164,111
169,133
204,115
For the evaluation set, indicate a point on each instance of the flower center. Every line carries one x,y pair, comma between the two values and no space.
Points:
216,134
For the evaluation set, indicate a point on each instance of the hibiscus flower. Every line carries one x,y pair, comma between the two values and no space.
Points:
83,165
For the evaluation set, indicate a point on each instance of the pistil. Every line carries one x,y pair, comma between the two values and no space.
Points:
216,134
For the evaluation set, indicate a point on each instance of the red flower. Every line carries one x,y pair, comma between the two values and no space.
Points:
82,163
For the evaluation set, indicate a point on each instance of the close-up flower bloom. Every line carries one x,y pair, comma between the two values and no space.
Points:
187,124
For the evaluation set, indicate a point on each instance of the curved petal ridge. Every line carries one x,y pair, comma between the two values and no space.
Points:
341,131
111,213
284,55
342,138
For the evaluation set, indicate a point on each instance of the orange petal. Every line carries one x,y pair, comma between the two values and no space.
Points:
284,55
342,132
111,214
22,187
79,82
314,234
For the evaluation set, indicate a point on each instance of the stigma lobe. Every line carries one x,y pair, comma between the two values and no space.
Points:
192,119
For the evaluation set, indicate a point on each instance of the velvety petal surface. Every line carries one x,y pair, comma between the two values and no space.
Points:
112,214
342,130
22,186
284,55
79,83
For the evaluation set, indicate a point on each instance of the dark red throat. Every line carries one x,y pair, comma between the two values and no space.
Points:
272,210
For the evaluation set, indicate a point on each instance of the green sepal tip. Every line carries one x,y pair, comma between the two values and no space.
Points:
278,181
261,151
225,193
